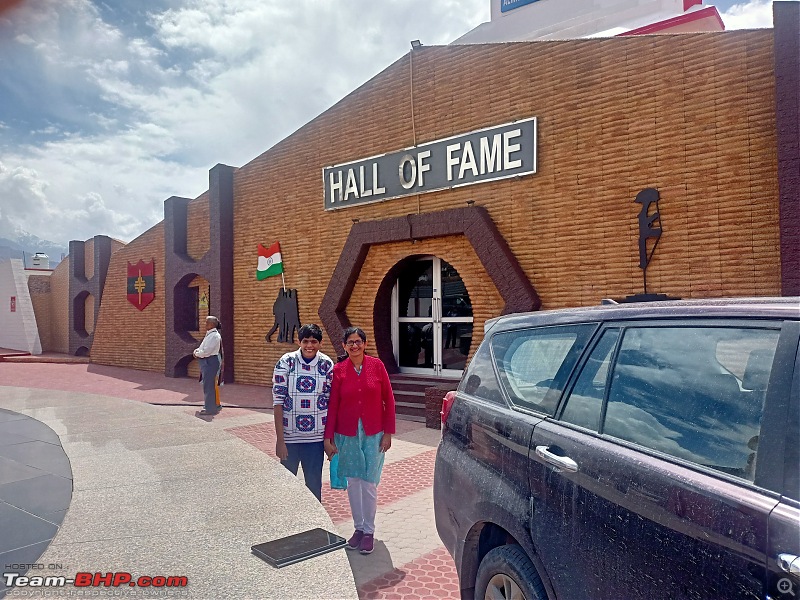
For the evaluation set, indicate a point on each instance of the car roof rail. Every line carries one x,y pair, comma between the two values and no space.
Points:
608,301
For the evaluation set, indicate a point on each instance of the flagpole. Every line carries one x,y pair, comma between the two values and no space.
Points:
284,282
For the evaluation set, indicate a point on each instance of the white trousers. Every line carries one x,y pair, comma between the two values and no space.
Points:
363,497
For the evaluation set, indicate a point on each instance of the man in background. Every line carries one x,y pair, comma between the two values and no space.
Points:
208,355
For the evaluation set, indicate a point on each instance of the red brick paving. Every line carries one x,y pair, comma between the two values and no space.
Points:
430,576
260,435
399,480
336,504
143,386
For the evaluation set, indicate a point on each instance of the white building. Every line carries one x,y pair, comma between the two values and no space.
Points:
18,327
526,20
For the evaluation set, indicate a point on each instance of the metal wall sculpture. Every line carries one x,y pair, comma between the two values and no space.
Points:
141,283
649,227
287,317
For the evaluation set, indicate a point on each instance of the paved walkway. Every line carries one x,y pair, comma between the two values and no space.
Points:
409,560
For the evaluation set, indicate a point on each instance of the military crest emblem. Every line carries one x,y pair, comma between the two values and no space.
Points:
141,283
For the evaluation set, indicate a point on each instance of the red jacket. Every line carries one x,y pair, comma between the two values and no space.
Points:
367,397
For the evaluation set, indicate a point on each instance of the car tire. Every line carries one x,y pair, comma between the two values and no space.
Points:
507,572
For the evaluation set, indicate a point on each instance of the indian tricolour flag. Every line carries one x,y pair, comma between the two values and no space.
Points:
269,261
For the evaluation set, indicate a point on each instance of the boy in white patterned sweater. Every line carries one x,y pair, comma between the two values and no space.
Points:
301,387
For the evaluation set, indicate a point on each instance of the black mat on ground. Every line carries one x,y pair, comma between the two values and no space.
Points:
298,547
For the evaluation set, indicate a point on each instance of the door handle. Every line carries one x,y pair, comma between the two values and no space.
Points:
562,462
789,563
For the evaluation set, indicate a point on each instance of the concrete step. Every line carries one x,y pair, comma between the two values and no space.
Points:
412,412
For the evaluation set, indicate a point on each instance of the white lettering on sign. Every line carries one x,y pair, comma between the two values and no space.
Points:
421,166
412,167
509,149
488,154
451,160
364,193
351,185
416,169
335,185
342,186
376,189
493,158
490,157
468,161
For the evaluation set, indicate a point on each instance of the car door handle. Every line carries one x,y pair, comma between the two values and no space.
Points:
562,462
789,563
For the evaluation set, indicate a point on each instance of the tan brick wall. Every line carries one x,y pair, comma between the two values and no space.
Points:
203,291
691,115
124,335
193,368
39,287
88,311
59,309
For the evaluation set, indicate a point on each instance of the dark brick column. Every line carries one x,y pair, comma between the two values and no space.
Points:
216,266
80,341
786,19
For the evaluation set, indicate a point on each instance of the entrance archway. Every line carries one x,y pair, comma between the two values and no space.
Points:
474,223
431,319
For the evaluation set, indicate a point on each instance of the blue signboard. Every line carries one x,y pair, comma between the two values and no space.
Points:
507,5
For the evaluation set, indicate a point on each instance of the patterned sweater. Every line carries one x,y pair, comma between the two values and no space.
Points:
303,389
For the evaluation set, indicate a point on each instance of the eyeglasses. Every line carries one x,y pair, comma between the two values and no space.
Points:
352,343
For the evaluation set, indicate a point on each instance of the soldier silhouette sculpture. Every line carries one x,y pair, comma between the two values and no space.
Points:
287,317
649,227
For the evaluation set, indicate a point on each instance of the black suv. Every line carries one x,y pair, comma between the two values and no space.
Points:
627,452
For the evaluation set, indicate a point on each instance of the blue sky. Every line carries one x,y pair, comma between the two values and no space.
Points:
109,107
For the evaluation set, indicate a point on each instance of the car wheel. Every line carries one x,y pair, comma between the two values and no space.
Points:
506,573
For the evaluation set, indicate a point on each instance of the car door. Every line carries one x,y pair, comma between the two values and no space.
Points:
480,466
647,484
783,555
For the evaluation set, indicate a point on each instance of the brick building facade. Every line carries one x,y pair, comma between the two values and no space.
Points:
692,116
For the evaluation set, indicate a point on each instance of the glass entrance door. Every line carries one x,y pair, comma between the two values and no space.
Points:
432,319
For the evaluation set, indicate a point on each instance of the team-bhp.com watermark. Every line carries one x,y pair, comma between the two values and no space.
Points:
95,584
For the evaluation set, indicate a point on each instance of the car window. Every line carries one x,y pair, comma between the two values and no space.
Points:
696,393
585,403
479,379
534,363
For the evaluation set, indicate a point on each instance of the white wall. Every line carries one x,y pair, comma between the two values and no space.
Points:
18,330
569,19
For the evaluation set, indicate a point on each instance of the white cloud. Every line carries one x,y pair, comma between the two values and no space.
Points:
750,15
137,114
215,81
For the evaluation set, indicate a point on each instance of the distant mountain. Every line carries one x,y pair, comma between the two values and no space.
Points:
29,245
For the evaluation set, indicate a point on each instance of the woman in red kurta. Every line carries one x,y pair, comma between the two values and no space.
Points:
359,428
